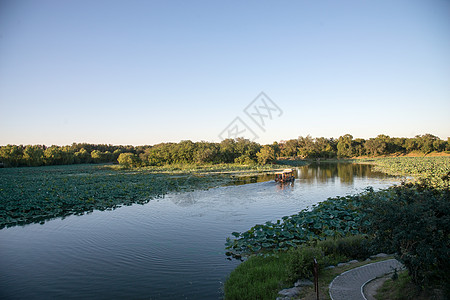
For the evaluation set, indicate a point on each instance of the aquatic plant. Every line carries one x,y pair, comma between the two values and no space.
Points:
338,216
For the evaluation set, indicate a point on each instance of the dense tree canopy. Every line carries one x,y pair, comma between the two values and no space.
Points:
238,150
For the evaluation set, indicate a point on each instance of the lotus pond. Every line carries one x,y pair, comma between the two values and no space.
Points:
170,247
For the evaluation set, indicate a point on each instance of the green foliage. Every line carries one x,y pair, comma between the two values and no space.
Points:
344,146
414,222
352,247
404,289
434,171
129,160
258,278
238,150
266,155
301,262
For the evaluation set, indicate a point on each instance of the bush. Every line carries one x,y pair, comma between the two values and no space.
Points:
351,247
414,222
128,160
301,262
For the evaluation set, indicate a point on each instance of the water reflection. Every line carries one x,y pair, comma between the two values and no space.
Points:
330,172
285,186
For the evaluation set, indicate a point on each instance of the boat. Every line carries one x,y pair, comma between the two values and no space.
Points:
285,176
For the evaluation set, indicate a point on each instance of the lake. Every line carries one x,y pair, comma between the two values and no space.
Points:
170,248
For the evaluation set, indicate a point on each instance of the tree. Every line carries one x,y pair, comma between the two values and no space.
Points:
266,155
227,149
425,142
11,155
129,160
206,152
374,147
413,222
289,148
97,156
82,157
53,155
344,146
33,155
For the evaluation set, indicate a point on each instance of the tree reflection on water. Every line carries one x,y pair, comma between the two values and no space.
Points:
329,172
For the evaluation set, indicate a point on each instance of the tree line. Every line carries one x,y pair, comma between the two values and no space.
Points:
241,151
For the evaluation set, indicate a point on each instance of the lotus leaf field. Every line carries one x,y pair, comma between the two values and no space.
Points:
433,170
37,194
338,216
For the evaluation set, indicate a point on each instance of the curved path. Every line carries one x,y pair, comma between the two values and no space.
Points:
349,285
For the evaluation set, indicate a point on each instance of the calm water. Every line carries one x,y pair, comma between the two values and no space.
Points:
170,248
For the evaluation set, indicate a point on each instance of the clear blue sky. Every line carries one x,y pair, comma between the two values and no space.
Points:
143,72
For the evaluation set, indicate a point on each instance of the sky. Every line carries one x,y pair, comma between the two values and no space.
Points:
145,72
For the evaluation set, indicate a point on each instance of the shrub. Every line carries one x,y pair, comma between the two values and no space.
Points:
128,160
414,222
353,247
301,262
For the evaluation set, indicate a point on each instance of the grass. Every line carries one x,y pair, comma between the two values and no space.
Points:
258,278
263,277
404,289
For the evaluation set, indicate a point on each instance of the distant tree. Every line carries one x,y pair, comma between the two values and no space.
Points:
227,149
266,155
399,144
385,140
289,148
306,146
97,156
276,148
344,146
116,154
247,148
184,152
324,147
33,155
129,160
82,156
53,156
374,147
11,155
425,142
67,155
358,147
206,152
244,160
411,145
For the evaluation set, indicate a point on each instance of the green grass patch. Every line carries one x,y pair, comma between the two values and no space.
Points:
258,278
404,289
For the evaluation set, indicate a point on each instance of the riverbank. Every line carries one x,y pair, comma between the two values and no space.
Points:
431,178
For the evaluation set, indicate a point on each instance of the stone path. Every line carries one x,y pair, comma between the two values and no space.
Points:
349,285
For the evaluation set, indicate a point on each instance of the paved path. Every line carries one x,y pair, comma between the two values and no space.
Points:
349,285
